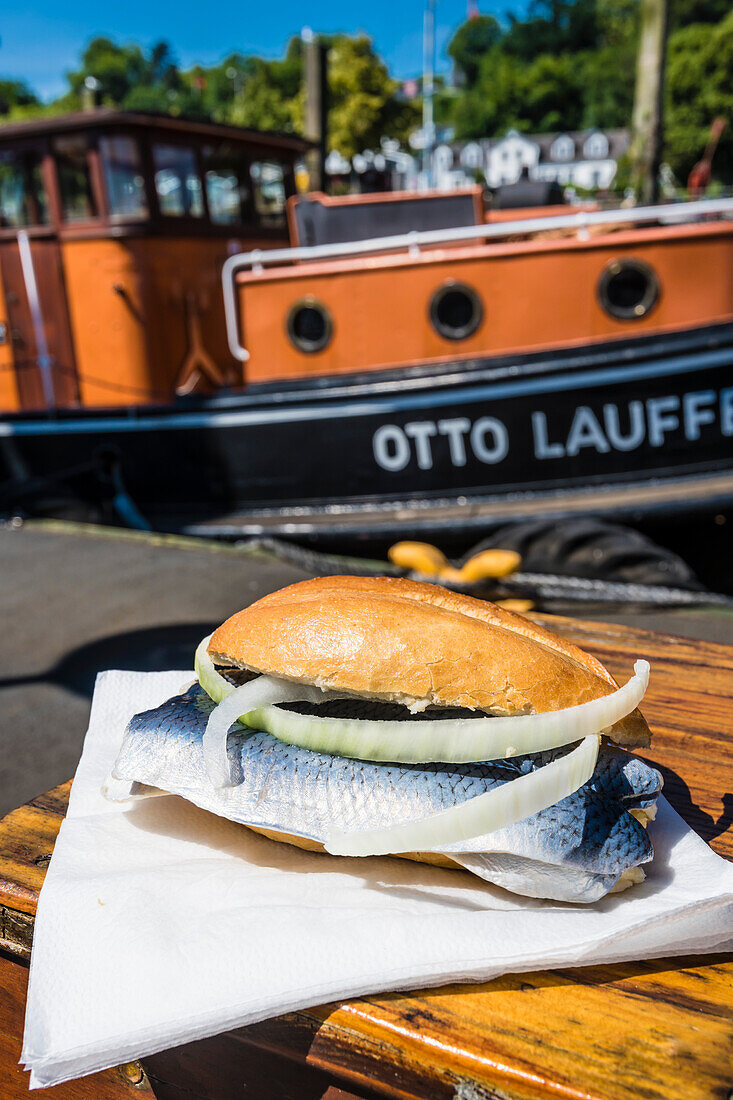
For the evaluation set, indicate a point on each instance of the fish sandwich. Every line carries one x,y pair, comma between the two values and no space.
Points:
379,716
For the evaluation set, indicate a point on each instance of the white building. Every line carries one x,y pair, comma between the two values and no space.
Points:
586,158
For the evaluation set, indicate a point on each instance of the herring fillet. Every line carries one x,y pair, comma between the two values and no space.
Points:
579,847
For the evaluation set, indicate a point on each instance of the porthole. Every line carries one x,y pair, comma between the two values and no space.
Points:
455,311
309,325
628,289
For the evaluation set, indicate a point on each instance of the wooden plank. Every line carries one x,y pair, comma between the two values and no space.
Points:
657,1030
27,837
123,1083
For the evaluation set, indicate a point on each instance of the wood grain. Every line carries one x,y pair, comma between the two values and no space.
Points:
27,837
661,1030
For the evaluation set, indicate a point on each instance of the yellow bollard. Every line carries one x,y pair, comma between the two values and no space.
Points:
421,557
490,563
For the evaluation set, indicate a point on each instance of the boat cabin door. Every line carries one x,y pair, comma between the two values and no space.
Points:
36,331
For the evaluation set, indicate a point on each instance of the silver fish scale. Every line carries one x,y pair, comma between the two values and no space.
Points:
295,790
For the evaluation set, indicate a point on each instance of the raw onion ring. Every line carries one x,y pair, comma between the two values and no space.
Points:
513,801
452,740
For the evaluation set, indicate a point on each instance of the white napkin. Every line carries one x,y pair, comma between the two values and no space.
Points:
159,923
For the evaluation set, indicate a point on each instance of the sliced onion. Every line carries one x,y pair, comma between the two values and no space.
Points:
503,806
454,740
213,683
257,693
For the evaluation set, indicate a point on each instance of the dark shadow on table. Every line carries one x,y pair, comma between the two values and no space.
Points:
151,649
678,794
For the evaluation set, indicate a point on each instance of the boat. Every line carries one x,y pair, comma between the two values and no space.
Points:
397,364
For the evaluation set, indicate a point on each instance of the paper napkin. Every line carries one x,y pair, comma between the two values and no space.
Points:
159,923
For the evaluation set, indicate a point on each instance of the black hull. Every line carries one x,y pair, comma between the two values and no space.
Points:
630,428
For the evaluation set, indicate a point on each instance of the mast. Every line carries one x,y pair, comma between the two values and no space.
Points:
428,87
647,127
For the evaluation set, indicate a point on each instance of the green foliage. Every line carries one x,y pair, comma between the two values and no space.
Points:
363,99
553,27
261,98
117,68
685,12
606,80
569,64
16,94
699,89
248,91
128,77
470,42
494,104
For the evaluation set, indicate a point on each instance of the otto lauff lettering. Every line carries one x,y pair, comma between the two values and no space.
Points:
614,427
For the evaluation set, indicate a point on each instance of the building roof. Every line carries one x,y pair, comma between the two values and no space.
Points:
102,117
618,141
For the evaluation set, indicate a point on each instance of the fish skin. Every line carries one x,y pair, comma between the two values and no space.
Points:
575,850
536,879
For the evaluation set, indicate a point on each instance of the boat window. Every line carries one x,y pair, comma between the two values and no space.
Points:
628,289
309,325
455,310
72,163
228,190
123,177
268,185
22,197
177,182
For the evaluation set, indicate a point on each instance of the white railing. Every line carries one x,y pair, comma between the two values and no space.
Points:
675,213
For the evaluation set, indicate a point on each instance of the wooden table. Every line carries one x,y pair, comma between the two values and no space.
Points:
657,1029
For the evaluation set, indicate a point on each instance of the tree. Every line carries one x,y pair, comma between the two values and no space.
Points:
118,69
16,94
250,91
469,44
567,64
699,89
685,12
495,103
606,77
130,78
261,100
553,27
553,94
363,98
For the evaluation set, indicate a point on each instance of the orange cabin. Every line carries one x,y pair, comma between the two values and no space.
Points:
474,299
113,231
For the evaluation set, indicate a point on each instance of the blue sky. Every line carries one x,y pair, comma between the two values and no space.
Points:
41,41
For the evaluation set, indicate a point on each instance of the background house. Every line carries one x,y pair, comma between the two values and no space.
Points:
583,158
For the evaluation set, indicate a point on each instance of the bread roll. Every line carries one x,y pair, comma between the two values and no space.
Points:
417,644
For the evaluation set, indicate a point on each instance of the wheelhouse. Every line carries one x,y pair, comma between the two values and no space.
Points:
113,230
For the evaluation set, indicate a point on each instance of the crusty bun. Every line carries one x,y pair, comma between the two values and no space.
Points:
417,644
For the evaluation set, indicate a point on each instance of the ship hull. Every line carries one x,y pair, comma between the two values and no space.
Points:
623,428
